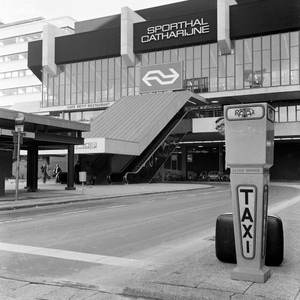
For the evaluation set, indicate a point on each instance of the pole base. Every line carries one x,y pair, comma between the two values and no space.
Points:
250,274
71,188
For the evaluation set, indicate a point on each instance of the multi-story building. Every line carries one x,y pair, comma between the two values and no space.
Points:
146,68
18,85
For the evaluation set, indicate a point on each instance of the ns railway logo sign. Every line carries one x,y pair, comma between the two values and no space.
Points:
158,78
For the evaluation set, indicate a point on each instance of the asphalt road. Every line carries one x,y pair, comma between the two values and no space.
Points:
109,243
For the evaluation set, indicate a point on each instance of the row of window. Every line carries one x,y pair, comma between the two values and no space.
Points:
30,37
21,90
265,61
21,39
15,74
287,111
13,57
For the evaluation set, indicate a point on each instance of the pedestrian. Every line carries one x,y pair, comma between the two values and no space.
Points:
77,169
44,171
89,172
57,171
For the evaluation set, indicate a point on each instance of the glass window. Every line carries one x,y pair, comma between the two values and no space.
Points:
92,85
248,51
285,46
73,84
275,47
152,58
257,44
230,65
239,52
295,58
145,59
283,114
98,80
295,77
292,113
239,75
285,72
167,56
111,77
104,80
79,82
295,38
85,90
159,57
276,73
174,55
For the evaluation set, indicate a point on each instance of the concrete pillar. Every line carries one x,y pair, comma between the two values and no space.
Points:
128,18
50,32
70,180
32,169
224,25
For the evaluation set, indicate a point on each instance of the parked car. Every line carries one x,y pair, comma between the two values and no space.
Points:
217,176
213,175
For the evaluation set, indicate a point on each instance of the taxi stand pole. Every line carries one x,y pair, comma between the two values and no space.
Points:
19,129
18,164
249,154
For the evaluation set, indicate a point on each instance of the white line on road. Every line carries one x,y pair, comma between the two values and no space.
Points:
214,192
79,256
16,220
74,212
116,206
191,196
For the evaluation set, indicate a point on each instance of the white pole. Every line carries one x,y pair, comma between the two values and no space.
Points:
18,165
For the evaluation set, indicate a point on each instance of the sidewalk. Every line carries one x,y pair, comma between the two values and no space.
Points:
51,193
200,276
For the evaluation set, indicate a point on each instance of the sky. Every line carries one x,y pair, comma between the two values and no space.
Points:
80,10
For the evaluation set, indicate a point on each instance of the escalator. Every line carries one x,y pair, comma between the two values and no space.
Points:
142,168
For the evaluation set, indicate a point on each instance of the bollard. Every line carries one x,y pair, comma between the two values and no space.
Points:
82,179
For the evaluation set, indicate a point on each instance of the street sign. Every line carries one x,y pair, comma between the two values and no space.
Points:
158,78
30,135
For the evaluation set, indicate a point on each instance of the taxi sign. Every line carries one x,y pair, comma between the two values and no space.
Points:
247,217
245,112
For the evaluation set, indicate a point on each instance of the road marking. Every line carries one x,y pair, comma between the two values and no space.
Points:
191,196
16,220
214,192
172,198
74,212
79,256
116,206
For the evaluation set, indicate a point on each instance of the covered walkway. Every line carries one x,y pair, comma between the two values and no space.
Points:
40,133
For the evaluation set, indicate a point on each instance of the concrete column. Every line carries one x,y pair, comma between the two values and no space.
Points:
32,169
224,25
50,32
70,180
128,18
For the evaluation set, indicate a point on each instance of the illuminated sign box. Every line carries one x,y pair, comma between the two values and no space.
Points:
163,77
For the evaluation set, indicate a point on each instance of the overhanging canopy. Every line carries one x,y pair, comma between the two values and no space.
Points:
131,124
46,132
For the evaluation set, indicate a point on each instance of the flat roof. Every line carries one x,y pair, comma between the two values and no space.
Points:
47,132
131,124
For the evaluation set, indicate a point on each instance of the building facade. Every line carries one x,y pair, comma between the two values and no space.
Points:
225,52
17,82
